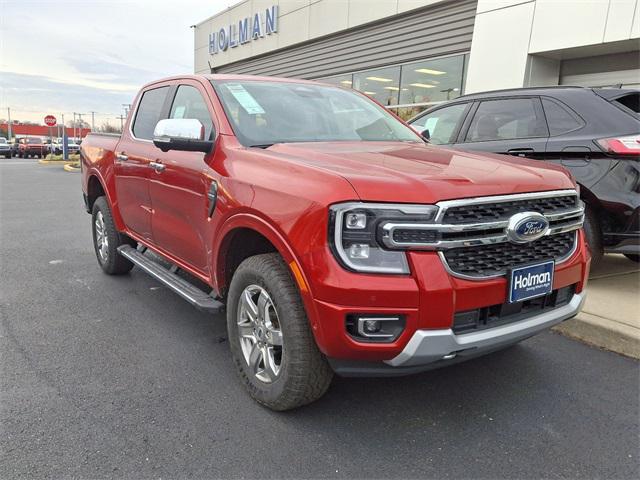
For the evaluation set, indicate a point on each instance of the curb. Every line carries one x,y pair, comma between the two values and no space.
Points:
602,333
70,168
42,161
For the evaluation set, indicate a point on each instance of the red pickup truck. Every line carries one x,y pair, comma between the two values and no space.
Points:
31,146
336,238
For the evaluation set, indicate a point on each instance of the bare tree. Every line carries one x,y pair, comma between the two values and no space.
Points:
108,128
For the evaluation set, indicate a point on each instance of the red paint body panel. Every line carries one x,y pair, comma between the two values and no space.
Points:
284,193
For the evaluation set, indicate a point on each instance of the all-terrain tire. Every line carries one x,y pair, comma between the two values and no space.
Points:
304,374
112,262
593,234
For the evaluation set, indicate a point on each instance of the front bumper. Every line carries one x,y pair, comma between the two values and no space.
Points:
428,346
432,349
428,300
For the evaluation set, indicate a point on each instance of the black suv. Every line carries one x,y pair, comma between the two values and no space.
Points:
594,133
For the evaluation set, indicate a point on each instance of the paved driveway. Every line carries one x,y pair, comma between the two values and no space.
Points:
105,377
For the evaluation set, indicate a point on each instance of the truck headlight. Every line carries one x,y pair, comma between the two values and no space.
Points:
355,234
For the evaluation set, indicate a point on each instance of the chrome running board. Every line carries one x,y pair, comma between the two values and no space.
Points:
192,294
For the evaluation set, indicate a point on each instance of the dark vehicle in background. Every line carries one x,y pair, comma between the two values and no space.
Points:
15,147
32,146
5,148
594,133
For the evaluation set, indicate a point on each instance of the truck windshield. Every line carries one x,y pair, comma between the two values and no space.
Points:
33,140
263,113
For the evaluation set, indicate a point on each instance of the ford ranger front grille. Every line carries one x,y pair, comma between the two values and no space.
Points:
475,237
494,211
494,260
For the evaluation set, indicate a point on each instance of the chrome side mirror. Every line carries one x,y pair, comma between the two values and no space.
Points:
185,134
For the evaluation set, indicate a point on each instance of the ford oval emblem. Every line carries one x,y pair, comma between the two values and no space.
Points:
526,227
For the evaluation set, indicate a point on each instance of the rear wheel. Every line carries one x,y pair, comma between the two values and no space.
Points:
106,240
272,345
593,234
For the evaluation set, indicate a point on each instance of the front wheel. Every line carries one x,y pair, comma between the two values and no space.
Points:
272,345
106,240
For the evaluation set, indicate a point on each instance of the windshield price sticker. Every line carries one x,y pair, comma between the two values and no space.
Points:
244,98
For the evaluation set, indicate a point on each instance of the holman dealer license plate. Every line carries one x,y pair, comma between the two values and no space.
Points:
530,281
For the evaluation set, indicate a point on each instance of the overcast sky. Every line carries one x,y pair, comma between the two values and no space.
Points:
61,56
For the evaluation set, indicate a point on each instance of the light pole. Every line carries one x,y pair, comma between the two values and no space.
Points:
9,123
93,121
65,141
80,125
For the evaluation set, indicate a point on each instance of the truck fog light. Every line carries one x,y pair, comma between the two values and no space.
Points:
371,326
359,250
375,328
356,221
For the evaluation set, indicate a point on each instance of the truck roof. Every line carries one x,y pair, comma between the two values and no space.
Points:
231,77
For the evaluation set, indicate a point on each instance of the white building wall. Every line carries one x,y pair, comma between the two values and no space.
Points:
299,21
521,43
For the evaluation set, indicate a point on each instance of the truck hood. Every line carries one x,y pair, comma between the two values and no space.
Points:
417,173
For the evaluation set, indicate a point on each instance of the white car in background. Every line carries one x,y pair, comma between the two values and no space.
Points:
5,148
72,146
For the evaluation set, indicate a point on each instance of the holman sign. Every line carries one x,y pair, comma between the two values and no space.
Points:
246,30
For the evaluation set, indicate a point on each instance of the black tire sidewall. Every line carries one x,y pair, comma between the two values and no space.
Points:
115,264
264,393
305,374
593,236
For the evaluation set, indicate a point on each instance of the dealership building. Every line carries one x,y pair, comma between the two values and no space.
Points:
411,54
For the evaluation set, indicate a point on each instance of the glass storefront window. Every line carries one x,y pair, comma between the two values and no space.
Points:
339,80
416,86
405,113
381,84
432,81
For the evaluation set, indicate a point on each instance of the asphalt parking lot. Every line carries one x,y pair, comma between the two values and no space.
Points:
107,377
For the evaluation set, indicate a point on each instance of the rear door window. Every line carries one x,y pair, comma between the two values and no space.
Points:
507,119
149,111
559,119
442,124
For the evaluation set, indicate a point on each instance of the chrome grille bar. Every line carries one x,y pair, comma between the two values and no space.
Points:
480,233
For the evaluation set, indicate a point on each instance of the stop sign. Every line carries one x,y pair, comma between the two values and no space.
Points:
50,120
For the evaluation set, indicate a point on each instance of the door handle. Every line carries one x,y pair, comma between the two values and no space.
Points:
158,167
520,152
121,157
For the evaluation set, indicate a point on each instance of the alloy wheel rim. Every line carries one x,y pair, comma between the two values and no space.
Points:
260,334
102,242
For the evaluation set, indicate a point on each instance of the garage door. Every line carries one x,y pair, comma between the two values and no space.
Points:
622,69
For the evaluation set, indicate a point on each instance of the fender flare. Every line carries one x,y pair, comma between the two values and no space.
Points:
250,220
115,211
